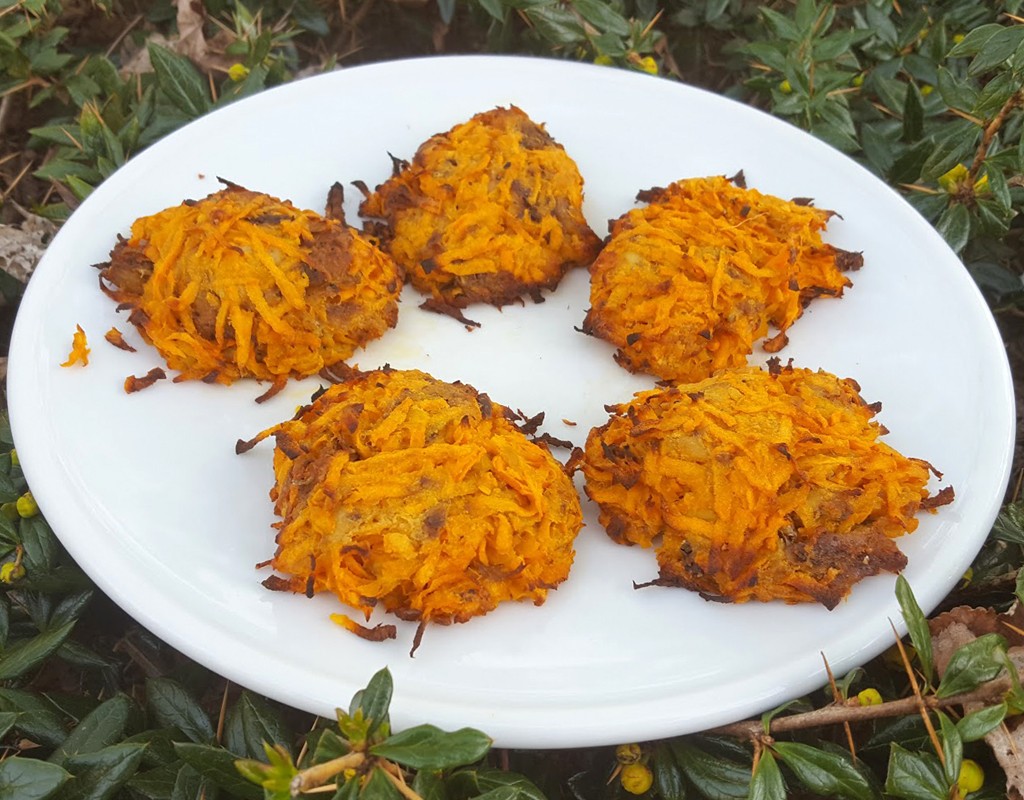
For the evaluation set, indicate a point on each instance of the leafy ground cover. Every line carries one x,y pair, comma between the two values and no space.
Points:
928,95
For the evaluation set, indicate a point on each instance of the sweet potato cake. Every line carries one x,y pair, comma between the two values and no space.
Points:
397,488
761,485
486,212
241,284
688,283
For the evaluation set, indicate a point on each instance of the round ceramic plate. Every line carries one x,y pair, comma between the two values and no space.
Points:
147,494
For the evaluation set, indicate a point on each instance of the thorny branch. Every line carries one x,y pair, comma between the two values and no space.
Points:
851,711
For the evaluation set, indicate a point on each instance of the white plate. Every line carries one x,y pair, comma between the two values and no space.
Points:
148,496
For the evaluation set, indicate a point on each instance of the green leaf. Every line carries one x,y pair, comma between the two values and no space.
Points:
556,25
29,653
189,784
429,785
37,718
998,48
29,779
251,722
668,777
1009,524
917,627
780,25
603,16
7,720
428,747
907,167
975,40
81,656
484,780
70,609
955,226
994,95
952,747
766,782
218,766
715,778
374,700
956,93
954,147
913,114
5,621
824,773
329,745
103,727
493,7
40,544
915,776
379,787
180,81
155,784
99,775
998,186
172,706
972,665
769,54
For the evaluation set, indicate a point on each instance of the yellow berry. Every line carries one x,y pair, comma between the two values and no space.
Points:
972,776
628,753
858,79
27,506
927,89
238,72
649,65
15,461
11,571
957,38
786,87
981,185
869,697
603,61
636,778
952,178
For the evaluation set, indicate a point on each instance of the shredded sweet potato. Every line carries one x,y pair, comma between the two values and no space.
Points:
116,338
241,284
687,284
79,349
761,484
486,212
397,488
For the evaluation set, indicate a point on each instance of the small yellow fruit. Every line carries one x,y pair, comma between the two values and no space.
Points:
786,87
238,72
603,61
636,778
27,506
628,753
927,89
957,38
951,179
649,65
858,79
869,697
15,461
972,776
11,571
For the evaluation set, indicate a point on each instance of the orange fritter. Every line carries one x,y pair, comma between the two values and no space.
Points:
486,212
761,485
241,284
687,284
397,488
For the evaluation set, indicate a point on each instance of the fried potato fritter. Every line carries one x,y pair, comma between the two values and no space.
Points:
688,283
762,485
486,212
397,488
241,284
